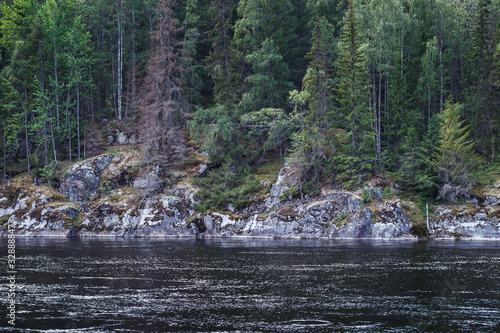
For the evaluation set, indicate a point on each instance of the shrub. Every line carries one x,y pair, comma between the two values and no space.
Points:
226,185
366,196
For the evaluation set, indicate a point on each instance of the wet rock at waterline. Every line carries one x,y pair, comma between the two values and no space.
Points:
109,195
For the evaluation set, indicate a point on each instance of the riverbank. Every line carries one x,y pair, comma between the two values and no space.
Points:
114,195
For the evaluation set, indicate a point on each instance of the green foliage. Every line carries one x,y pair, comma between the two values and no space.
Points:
314,142
217,129
268,85
455,158
49,172
226,186
417,172
388,192
192,35
105,186
366,196
429,79
16,18
261,20
271,127
294,192
371,79
357,156
218,62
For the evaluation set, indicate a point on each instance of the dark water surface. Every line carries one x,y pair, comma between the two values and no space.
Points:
172,285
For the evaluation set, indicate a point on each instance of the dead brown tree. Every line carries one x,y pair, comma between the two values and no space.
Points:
163,108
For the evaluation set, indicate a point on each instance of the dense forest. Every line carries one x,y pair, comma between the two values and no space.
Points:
343,89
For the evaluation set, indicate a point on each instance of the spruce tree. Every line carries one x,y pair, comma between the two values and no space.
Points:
191,39
481,100
163,109
357,156
315,144
269,84
454,153
258,21
219,61
418,172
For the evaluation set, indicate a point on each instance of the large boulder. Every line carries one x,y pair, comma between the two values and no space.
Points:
82,179
288,177
35,210
334,215
466,221
121,137
456,193
148,182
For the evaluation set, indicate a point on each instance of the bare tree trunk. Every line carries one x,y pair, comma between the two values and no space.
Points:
56,80
53,141
427,215
45,149
27,140
377,120
78,118
4,152
91,102
120,62
115,104
133,73
429,105
68,126
441,88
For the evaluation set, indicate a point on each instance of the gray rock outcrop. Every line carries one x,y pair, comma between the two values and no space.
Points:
82,179
123,210
466,221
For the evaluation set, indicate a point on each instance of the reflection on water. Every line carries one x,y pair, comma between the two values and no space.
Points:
165,285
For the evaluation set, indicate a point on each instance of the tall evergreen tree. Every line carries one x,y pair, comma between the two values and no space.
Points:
481,98
315,144
260,20
164,108
455,149
269,84
219,60
352,96
428,82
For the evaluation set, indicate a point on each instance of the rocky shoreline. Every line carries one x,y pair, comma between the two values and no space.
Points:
99,197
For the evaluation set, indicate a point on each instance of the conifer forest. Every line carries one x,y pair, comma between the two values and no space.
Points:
344,90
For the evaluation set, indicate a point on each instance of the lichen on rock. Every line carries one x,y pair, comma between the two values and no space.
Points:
82,179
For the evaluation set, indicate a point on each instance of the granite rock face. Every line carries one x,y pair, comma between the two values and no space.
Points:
337,215
466,221
82,179
478,218
36,210
102,196
121,137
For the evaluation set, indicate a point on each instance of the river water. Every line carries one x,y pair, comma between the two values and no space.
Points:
173,285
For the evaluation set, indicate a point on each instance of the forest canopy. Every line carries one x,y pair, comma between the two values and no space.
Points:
344,89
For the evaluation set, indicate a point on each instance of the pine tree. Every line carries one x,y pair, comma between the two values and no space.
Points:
317,81
428,81
352,97
12,119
